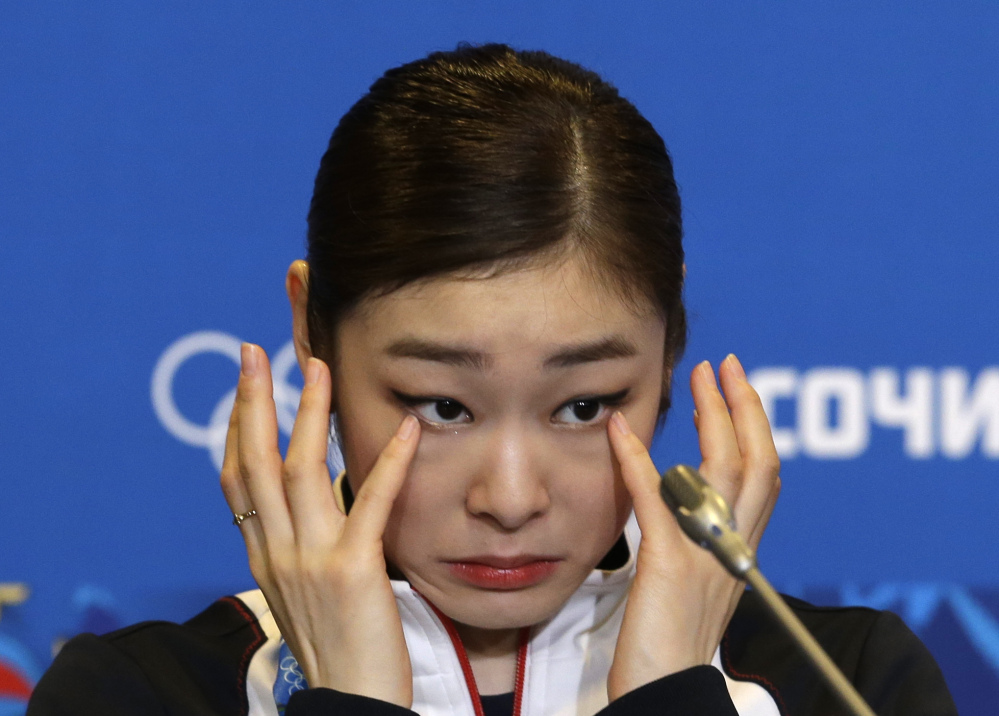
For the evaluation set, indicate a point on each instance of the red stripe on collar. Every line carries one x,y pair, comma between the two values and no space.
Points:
466,666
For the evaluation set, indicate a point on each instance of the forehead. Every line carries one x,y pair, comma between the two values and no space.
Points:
531,308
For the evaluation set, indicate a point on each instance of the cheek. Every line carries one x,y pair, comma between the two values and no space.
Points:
430,506
590,484
365,426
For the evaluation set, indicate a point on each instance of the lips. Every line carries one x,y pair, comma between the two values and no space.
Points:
504,573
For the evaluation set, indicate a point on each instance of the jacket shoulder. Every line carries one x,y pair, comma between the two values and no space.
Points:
156,667
877,652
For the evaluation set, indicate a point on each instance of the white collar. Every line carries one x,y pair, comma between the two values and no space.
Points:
567,660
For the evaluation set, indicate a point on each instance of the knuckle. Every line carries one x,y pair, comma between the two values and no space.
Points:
229,457
369,496
326,570
767,463
229,482
246,458
255,456
749,394
301,461
258,570
283,571
728,464
244,390
291,470
716,399
636,449
307,401
315,569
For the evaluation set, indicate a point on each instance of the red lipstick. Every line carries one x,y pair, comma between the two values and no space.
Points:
503,573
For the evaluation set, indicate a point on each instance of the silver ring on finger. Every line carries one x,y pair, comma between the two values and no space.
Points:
238,517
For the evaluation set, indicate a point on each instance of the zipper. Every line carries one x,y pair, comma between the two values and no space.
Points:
524,639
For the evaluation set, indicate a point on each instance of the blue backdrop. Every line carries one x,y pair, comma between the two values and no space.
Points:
838,164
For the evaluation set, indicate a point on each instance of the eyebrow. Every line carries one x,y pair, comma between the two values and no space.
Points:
438,353
607,348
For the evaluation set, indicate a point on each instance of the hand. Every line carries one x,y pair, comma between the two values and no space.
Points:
323,573
682,598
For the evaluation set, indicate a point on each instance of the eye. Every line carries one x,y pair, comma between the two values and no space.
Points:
579,411
437,411
589,410
443,410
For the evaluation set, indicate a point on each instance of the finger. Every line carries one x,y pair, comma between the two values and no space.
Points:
370,512
235,491
316,519
259,460
760,463
232,485
756,534
642,480
721,460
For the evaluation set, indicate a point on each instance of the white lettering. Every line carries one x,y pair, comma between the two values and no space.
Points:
912,412
964,419
821,436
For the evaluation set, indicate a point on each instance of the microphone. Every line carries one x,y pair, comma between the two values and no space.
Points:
707,519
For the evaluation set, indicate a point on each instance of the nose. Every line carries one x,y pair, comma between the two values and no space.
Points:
509,487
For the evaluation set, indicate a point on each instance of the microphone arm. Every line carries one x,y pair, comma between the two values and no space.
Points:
707,519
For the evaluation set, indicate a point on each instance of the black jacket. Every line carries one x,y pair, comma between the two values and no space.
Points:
200,667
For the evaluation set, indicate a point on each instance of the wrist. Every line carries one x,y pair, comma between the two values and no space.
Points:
640,672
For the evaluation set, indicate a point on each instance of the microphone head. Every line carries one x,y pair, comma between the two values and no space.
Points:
706,518
681,486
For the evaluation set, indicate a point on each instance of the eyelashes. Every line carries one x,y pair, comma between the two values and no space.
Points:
589,410
441,412
444,412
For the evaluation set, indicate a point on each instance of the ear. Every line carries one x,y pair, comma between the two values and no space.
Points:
296,283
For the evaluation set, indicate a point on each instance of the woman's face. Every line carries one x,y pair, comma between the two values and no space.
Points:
513,496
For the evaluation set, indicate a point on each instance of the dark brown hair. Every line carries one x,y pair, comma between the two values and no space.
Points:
490,158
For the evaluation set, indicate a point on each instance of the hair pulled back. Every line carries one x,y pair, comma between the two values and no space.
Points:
487,158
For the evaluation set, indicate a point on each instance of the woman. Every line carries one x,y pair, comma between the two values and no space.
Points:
491,310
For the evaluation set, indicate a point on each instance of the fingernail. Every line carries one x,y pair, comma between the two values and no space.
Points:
620,423
696,415
312,371
248,359
408,427
705,368
736,365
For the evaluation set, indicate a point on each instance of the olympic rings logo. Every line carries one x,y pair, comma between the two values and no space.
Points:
212,436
